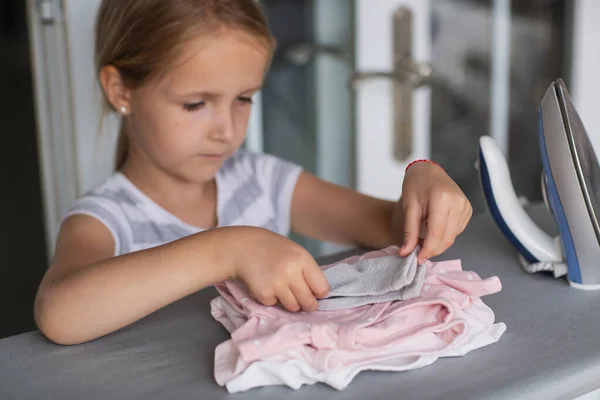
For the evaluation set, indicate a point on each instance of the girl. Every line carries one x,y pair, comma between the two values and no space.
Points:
186,208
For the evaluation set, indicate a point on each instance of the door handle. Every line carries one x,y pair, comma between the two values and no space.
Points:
413,76
407,75
302,53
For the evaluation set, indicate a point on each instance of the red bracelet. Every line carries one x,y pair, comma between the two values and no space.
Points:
418,161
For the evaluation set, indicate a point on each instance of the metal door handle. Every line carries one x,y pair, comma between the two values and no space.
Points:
406,75
302,53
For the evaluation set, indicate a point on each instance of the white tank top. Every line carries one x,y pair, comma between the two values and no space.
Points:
252,189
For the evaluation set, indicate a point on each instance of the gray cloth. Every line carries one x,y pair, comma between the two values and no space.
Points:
374,280
550,351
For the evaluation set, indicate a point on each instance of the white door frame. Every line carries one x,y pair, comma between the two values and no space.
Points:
55,135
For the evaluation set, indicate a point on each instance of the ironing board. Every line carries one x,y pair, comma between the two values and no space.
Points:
550,351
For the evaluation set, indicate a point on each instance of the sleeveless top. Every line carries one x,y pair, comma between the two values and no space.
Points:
252,190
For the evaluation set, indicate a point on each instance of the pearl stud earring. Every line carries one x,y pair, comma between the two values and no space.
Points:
123,110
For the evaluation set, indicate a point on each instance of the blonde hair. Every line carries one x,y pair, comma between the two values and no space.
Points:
140,37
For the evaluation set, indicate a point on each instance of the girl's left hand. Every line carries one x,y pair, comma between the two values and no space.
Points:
433,208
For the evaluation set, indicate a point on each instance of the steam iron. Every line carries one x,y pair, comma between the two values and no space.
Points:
570,185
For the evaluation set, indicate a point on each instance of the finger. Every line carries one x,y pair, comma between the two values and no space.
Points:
288,300
316,281
466,217
436,224
412,223
454,221
264,297
304,296
423,228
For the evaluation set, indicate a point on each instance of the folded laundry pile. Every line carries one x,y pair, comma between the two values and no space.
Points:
384,313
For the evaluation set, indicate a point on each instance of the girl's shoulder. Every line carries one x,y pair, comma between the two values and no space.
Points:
119,205
114,190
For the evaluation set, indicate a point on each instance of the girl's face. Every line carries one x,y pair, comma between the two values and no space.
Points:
188,122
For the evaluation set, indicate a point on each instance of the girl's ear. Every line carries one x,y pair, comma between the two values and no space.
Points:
117,94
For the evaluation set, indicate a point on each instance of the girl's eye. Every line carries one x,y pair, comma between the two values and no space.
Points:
193,106
247,100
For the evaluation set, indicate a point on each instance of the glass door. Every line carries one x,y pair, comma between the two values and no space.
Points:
490,63
359,89
307,107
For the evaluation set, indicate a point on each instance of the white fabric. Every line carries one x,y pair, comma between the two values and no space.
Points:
295,373
558,268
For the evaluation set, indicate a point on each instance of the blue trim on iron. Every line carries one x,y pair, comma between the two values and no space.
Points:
574,273
497,215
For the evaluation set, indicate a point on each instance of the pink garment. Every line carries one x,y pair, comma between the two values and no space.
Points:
295,368
447,289
442,318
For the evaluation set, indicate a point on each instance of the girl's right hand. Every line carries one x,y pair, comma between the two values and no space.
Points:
276,268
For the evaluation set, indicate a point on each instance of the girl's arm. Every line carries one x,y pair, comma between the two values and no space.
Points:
86,293
432,207
325,211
